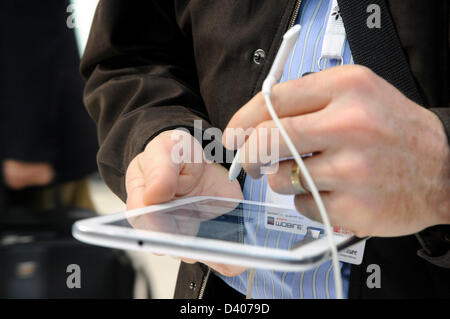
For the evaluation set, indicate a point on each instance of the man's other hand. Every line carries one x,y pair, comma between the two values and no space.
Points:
19,175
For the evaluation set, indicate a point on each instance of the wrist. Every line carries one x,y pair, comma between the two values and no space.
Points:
443,210
441,205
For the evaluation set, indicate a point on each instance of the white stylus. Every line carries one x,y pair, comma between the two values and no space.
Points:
235,167
274,76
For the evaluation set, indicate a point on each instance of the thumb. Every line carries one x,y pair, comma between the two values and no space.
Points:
135,185
161,173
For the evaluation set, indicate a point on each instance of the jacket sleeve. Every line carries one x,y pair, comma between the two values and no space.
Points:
141,80
435,241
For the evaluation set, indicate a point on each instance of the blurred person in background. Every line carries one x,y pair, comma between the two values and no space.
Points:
47,140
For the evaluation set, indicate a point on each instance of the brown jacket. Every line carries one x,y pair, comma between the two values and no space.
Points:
156,65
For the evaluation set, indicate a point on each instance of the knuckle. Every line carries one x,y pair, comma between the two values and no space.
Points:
354,168
356,77
275,181
305,206
361,71
355,119
258,98
357,116
262,134
256,102
263,126
274,97
289,124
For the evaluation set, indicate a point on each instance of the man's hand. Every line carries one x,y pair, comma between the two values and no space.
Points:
19,175
381,162
154,177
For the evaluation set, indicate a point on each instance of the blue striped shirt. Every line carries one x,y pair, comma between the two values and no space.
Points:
317,282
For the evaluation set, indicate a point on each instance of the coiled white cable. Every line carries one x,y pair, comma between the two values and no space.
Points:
274,75
315,193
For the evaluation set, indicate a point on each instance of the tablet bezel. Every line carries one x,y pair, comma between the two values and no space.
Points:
97,231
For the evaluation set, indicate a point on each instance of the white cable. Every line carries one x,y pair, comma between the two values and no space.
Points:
315,193
273,77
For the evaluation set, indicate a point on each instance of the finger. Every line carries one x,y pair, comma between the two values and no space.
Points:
306,206
160,172
40,174
135,199
281,183
341,209
265,145
301,96
344,211
186,260
19,175
226,270
135,185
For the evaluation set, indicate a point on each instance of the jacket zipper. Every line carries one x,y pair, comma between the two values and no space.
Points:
203,285
295,14
243,175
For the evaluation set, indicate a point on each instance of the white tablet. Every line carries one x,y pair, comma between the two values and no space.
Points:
229,231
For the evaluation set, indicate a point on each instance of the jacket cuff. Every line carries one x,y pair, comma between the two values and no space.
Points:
440,261
444,115
435,242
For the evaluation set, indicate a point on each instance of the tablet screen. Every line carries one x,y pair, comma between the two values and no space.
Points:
247,223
